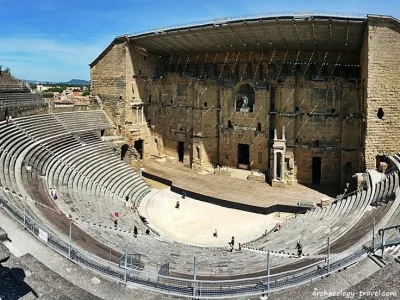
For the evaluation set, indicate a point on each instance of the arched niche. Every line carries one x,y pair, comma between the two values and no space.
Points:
245,98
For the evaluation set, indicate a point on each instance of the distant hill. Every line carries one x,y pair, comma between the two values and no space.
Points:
72,82
77,82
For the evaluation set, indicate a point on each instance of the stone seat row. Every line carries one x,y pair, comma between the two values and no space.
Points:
332,221
154,251
78,175
20,99
26,130
83,120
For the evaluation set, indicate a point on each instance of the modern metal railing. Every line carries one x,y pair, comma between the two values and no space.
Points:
189,288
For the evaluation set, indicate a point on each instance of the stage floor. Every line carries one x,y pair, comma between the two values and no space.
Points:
237,189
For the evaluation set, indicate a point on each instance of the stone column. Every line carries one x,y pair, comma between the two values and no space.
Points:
282,166
142,115
275,167
137,115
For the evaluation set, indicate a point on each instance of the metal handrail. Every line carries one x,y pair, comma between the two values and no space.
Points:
206,289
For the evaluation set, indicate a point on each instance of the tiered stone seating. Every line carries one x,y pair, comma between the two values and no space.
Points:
20,99
92,182
91,173
332,221
211,261
7,80
57,152
81,167
15,93
84,120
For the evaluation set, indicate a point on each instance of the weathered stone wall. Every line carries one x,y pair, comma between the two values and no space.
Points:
382,88
109,80
193,99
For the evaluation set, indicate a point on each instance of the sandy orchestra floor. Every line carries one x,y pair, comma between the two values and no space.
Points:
195,221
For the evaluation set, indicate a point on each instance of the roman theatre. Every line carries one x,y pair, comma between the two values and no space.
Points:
277,134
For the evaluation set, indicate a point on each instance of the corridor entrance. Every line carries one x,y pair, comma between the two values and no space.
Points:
181,151
124,150
138,145
243,156
316,170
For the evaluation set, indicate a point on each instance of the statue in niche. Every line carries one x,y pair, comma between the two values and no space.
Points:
245,105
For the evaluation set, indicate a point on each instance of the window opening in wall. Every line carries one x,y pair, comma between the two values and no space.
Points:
148,122
317,143
285,69
258,126
316,170
205,104
149,99
296,109
144,57
333,110
230,124
296,140
325,70
236,73
140,72
181,151
298,69
261,72
349,170
171,101
380,113
198,152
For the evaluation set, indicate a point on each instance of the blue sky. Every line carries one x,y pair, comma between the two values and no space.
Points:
56,40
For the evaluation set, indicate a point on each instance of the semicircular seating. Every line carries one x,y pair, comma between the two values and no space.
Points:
92,182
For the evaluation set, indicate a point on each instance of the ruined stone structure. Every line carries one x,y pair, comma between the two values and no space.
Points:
215,93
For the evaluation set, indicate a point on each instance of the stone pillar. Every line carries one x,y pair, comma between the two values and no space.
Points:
282,166
275,167
137,115
142,115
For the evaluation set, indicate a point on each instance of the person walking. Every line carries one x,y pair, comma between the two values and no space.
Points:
299,248
135,231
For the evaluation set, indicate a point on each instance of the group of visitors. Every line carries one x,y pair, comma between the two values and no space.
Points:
9,120
135,231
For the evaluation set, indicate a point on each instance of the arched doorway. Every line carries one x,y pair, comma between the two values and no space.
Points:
124,150
138,145
245,98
